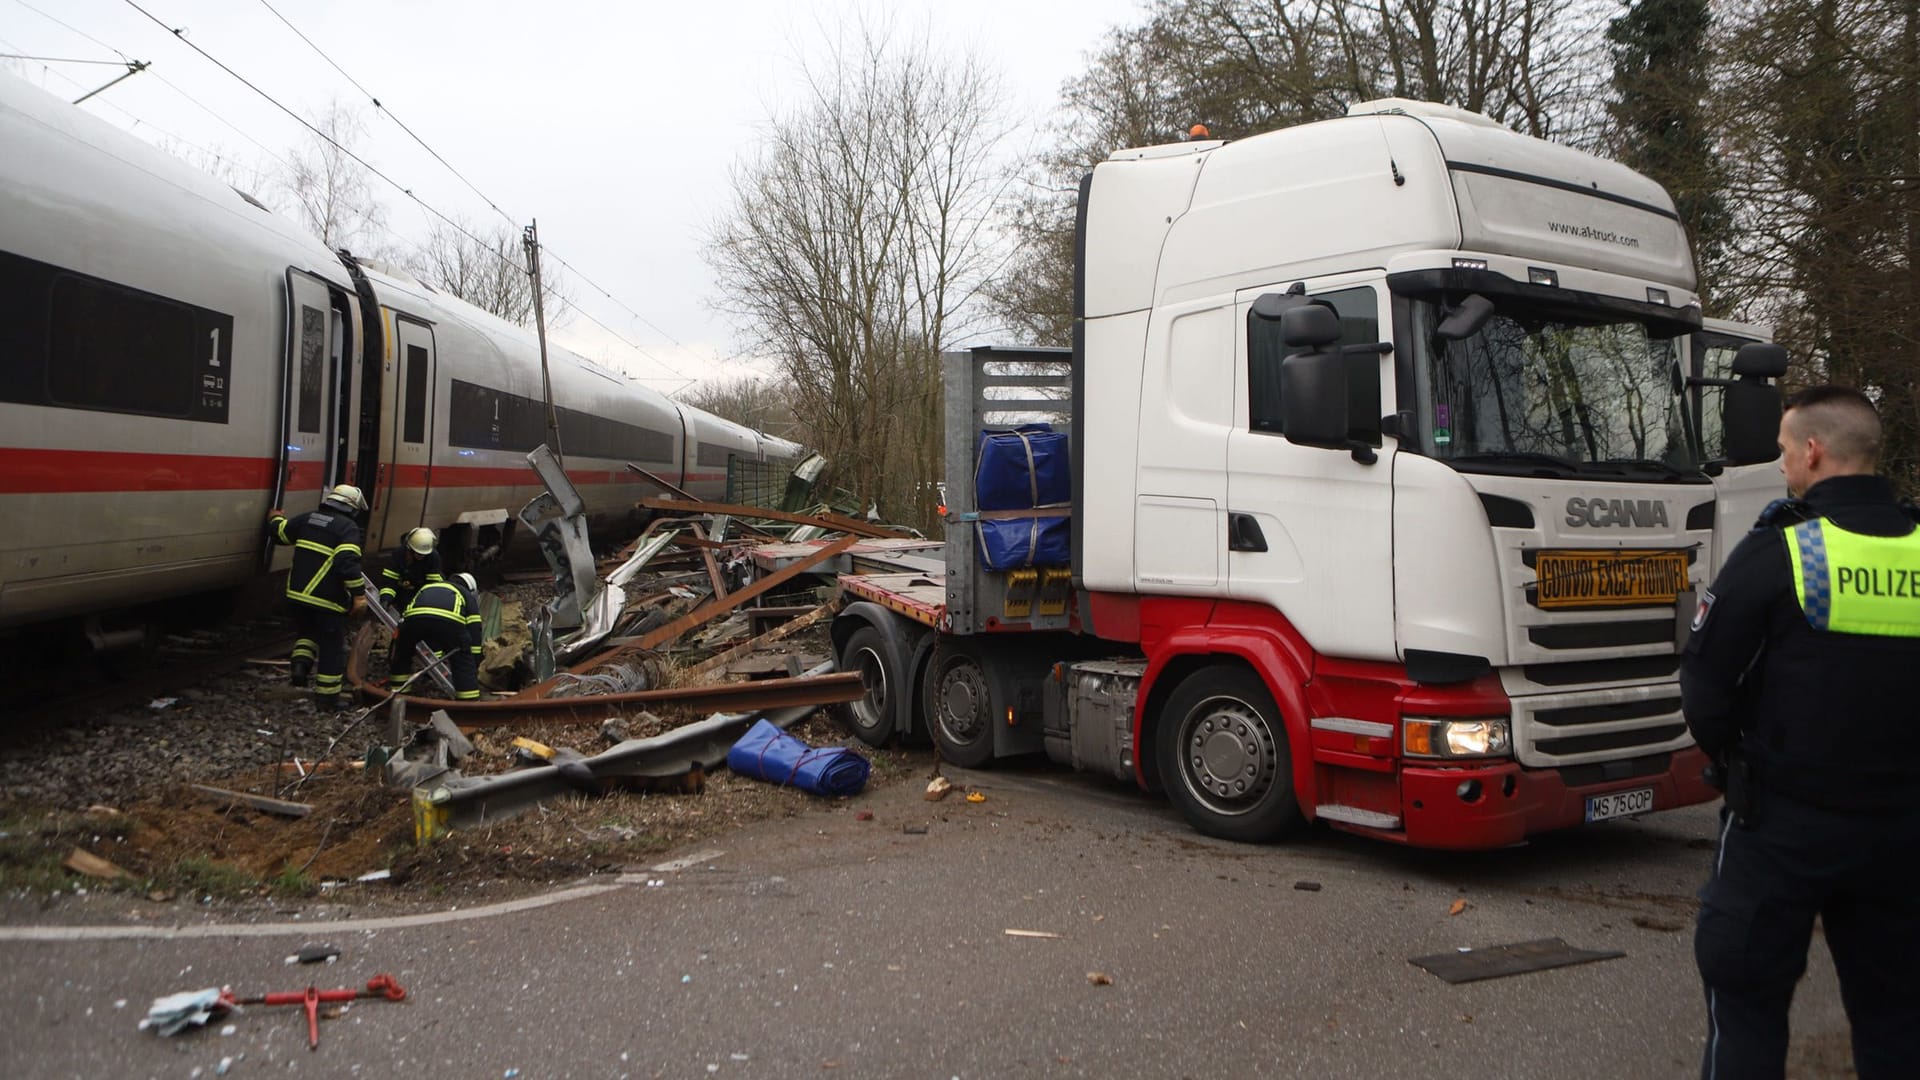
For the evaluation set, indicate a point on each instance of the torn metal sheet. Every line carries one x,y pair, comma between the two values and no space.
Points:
1472,965
557,519
468,802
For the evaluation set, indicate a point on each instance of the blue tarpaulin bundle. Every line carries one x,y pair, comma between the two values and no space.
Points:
1023,468
1010,543
767,753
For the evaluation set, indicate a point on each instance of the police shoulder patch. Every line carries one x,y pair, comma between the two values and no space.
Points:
1701,609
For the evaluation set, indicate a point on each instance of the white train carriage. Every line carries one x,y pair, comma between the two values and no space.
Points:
175,360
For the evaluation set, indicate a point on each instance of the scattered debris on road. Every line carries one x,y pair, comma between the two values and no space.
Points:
1099,978
1472,965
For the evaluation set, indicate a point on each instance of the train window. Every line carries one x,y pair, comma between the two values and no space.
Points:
713,455
416,399
107,348
313,369
487,419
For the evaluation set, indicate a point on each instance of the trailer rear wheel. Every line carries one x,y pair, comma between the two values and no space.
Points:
870,716
960,707
1223,756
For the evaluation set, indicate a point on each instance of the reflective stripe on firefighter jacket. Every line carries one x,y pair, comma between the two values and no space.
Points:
1853,583
326,558
448,600
408,573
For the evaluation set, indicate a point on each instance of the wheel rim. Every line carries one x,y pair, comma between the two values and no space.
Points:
960,702
870,710
1229,757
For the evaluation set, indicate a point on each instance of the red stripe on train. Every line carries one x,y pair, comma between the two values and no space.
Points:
41,472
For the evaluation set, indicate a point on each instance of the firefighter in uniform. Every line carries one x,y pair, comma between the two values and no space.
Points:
446,616
416,564
322,587
1797,681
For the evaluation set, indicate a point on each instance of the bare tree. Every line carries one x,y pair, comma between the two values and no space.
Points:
1242,67
853,247
330,191
756,402
488,269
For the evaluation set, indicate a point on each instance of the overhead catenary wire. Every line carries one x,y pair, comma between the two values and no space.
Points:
75,29
390,115
61,60
491,204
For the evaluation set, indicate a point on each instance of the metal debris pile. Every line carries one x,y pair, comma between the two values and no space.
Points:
707,609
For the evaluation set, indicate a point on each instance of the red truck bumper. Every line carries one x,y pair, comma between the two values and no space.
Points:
1443,807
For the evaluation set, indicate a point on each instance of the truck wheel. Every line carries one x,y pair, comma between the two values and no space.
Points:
870,716
1224,759
960,709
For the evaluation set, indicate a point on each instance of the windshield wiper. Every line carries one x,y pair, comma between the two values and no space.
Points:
1646,465
1560,466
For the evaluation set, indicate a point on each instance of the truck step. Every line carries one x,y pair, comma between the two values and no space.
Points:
1354,815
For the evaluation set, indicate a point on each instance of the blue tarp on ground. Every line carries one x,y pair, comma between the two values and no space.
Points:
767,753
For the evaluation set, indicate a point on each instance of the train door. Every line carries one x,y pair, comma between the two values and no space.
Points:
410,465
308,449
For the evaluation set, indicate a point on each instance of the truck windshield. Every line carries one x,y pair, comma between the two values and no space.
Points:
1545,392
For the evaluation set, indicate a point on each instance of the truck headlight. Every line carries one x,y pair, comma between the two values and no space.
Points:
1435,737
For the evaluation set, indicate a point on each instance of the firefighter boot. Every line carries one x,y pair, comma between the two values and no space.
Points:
299,670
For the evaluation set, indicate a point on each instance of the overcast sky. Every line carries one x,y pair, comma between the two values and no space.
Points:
614,124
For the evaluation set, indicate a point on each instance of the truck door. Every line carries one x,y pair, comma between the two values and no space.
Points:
410,468
308,449
1310,529
1740,491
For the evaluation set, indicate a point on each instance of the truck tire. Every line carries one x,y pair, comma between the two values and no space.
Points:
870,717
1224,759
960,708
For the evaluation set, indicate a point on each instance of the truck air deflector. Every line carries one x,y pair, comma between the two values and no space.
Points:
1562,185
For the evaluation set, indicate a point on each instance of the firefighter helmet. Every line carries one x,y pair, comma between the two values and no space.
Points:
420,541
348,496
467,580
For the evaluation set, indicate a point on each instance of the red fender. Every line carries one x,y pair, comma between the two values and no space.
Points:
1171,627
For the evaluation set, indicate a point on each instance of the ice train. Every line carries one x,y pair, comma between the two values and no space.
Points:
175,360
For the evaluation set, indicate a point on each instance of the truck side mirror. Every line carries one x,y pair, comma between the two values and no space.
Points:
1309,326
1760,360
1313,394
1750,406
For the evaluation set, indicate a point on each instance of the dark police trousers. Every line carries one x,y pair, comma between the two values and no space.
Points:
1860,873
325,633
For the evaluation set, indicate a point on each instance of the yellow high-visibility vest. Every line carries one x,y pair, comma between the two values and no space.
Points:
1851,583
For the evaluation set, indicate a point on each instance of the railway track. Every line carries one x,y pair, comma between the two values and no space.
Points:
58,689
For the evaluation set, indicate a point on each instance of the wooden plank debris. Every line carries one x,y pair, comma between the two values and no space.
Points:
707,613
785,629
257,802
82,861
837,522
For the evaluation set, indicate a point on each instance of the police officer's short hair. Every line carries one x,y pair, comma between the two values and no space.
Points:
1842,418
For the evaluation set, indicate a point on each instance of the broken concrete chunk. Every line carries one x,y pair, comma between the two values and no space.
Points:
616,730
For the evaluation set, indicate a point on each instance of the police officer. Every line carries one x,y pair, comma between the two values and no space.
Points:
445,615
322,586
417,563
1798,680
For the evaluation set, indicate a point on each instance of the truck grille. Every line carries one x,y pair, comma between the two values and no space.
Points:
1598,725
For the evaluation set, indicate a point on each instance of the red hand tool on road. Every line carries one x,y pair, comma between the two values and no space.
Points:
380,986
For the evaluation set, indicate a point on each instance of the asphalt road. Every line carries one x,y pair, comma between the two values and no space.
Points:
828,946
